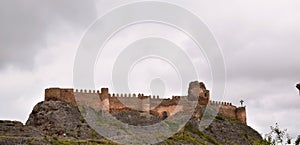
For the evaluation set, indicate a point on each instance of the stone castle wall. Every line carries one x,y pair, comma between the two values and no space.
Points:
57,94
228,110
102,100
241,114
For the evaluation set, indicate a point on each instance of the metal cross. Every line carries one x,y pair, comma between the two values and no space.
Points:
242,102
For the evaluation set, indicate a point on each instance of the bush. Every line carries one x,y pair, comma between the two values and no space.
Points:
277,136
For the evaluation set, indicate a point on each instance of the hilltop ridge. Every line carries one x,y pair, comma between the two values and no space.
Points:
105,101
58,121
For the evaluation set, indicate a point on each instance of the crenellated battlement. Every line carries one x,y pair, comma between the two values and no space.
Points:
103,100
118,95
86,91
220,103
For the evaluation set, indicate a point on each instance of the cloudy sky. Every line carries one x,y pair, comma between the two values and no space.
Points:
259,41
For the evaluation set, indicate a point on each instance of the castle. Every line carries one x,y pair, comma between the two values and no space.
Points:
103,100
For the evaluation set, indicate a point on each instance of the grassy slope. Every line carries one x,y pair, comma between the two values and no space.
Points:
191,135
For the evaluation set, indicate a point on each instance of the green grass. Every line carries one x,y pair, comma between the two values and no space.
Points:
189,128
173,126
94,134
257,141
183,137
219,117
253,140
191,135
31,142
84,142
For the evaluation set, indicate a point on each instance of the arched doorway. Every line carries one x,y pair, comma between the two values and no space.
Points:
164,115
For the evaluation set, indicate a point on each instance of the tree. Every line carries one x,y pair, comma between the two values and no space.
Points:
279,137
297,142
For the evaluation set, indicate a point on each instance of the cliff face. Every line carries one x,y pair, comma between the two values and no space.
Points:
14,132
222,131
15,128
48,118
51,117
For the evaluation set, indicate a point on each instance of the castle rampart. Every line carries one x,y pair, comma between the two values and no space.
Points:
103,100
57,94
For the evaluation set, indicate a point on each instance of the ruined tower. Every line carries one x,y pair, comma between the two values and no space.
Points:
204,94
198,92
194,91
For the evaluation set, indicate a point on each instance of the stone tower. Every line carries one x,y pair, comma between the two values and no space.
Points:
241,114
204,95
104,96
197,92
194,91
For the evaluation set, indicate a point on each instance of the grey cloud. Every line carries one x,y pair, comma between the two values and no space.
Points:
25,25
259,41
267,57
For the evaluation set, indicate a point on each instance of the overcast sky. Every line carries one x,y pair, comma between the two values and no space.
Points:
259,40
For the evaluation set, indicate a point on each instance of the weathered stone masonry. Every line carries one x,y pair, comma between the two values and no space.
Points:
151,104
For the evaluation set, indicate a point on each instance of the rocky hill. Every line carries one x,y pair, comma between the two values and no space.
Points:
56,122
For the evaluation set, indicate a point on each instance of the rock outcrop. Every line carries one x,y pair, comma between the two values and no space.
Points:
16,128
222,131
227,131
51,117
48,118
14,132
